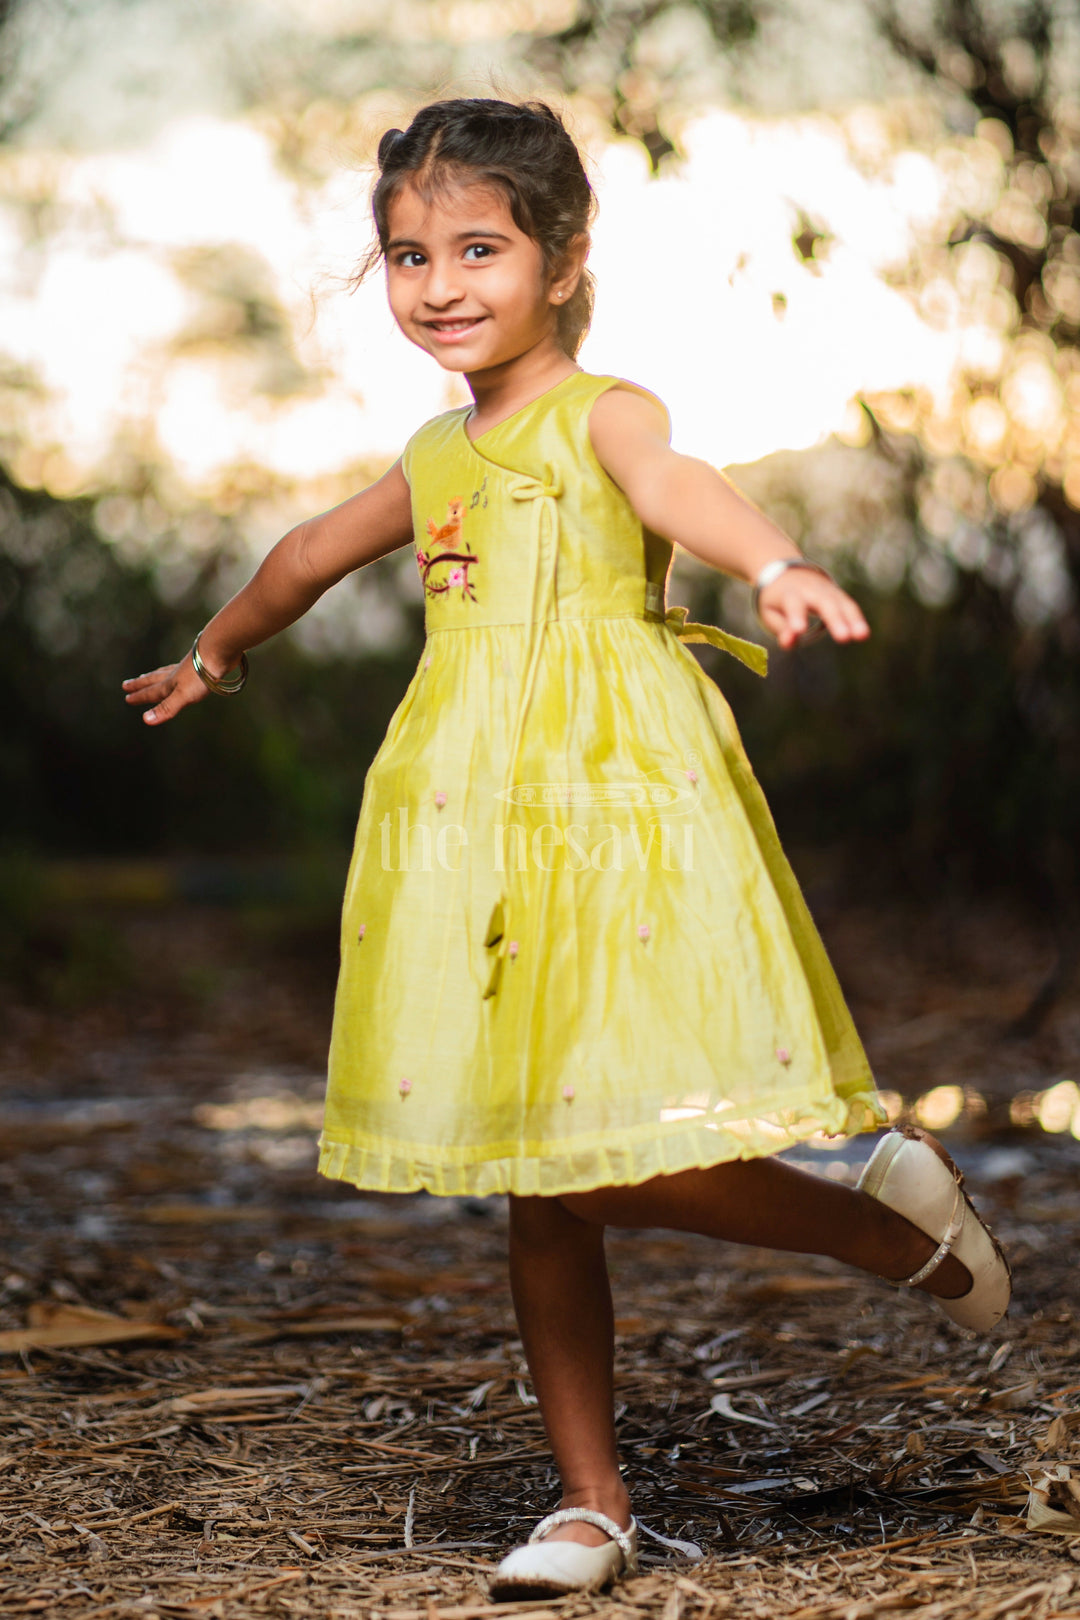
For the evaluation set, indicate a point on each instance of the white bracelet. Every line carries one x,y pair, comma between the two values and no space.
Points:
772,571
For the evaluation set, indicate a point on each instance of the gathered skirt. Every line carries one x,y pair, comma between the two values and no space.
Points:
664,999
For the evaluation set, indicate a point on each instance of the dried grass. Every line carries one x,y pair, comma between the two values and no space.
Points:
230,1390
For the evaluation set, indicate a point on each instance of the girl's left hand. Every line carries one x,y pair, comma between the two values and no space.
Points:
789,603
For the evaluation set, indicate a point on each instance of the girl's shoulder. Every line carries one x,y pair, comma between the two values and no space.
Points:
434,436
570,403
612,385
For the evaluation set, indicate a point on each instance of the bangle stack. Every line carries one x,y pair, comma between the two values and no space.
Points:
772,571
227,684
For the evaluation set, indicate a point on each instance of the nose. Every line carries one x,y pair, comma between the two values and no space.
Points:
442,285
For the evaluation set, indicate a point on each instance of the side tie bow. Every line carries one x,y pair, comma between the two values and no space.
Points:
747,652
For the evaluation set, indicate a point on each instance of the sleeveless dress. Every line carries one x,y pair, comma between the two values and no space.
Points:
573,952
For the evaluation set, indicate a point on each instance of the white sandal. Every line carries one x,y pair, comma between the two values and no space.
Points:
548,1569
905,1173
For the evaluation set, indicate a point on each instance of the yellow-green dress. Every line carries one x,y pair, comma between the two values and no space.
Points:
573,952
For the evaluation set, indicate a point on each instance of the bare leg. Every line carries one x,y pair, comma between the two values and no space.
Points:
562,1295
773,1205
559,1282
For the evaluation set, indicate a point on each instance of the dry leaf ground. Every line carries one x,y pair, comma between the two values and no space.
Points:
229,1389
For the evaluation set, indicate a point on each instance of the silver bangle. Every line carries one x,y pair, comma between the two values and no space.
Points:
226,684
770,573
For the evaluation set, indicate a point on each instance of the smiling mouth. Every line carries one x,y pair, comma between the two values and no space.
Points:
457,327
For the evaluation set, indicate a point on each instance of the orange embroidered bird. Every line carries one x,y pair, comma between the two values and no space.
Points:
450,532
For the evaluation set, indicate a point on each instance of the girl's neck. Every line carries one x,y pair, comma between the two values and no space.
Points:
500,391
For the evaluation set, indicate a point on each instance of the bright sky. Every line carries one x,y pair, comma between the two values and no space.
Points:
182,206
693,268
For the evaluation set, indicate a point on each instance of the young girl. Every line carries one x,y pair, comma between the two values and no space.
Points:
575,964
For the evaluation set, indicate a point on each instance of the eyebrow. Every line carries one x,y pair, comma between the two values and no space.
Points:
462,236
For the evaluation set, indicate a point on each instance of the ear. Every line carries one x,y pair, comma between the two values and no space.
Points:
568,271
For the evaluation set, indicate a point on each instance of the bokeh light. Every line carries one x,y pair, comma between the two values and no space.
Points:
940,1108
187,306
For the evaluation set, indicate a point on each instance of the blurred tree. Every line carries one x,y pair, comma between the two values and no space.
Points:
280,771
634,57
997,484
1014,242
24,75
946,752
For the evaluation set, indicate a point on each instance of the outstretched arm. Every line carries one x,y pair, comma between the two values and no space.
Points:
289,580
690,503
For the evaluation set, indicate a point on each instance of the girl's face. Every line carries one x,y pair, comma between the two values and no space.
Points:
465,283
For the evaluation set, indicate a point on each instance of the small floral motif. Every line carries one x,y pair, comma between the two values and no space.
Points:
404,1086
692,776
360,932
783,1054
513,947
440,798
643,930
568,1093
456,576
427,663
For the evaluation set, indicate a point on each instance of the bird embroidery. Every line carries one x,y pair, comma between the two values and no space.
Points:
450,533
447,545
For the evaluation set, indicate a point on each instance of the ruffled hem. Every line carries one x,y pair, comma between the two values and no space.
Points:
586,1165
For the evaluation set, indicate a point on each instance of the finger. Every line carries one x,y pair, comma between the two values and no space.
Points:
835,621
837,612
186,688
135,682
783,628
806,609
165,710
149,693
857,619
857,627
813,632
795,613
806,616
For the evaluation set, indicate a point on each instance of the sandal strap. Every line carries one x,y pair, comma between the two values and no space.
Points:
588,1516
952,1232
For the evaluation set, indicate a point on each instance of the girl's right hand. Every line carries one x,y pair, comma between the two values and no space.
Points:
170,689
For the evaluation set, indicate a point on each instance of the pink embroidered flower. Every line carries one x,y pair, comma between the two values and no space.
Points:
568,1093
360,933
692,776
404,1086
513,947
427,663
783,1054
643,930
456,576
440,798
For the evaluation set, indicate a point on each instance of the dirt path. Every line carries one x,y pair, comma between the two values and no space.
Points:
241,1391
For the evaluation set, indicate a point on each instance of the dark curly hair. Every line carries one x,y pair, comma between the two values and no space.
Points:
522,149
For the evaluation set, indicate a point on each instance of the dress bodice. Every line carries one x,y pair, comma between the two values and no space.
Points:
524,526
477,506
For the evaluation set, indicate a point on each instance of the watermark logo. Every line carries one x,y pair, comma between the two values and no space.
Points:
602,846
646,791
655,838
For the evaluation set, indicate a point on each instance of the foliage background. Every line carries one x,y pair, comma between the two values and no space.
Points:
945,753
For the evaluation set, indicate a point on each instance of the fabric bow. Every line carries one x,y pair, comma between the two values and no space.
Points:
747,652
